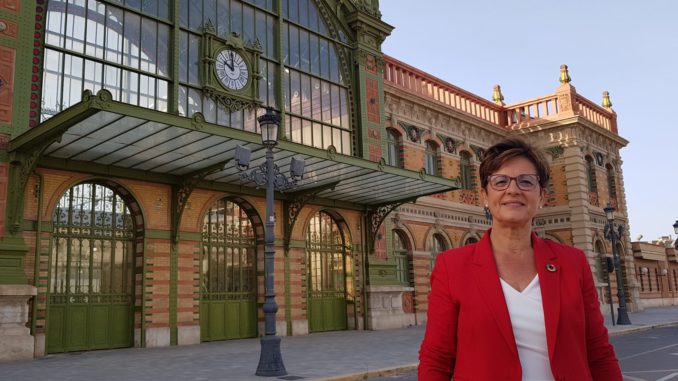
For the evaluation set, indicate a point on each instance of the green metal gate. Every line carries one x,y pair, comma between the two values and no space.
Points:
91,293
327,275
228,308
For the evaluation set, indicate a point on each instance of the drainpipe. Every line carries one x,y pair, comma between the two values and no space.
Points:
364,266
36,268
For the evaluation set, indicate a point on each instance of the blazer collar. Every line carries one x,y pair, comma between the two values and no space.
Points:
487,280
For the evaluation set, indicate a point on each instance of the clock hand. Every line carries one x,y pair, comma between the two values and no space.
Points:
229,65
232,64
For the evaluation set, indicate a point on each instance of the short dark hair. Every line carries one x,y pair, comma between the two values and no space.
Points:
510,148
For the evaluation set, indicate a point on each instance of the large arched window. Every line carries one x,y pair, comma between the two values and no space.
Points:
401,255
431,157
465,170
393,149
128,48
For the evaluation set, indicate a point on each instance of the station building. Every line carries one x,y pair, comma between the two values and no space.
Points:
126,222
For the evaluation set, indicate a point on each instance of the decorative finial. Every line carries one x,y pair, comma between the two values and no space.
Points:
564,74
497,96
606,99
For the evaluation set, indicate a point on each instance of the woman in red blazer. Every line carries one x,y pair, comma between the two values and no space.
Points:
514,306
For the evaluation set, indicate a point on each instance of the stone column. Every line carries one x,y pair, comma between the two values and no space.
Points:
578,202
16,342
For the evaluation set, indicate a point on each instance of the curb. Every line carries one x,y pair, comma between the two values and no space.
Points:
641,328
383,372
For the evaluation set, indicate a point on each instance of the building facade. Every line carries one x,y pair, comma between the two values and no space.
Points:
125,220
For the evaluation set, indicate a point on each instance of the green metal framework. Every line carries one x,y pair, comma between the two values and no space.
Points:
227,274
91,292
326,248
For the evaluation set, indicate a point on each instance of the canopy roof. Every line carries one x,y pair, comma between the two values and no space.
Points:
105,137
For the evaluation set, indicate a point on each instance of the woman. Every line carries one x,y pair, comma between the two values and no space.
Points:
514,306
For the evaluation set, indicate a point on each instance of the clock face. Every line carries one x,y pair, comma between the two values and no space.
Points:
231,69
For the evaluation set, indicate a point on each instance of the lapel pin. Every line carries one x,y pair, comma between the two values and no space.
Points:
551,267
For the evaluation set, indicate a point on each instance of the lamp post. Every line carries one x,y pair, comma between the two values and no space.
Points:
675,230
270,359
614,233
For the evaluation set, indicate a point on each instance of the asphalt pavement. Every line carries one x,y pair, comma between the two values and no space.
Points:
335,356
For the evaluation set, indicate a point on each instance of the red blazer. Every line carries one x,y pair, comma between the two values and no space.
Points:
469,333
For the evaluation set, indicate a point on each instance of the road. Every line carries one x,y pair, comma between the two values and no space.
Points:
645,356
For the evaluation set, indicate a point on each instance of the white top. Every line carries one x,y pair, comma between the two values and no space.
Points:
527,320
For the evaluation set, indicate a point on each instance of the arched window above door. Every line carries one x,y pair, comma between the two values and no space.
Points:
394,148
465,170
431,157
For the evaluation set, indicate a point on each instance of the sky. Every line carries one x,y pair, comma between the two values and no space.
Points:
629,48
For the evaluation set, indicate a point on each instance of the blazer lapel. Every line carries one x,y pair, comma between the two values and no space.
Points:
549,271
487,280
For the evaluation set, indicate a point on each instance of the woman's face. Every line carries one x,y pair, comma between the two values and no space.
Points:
514,207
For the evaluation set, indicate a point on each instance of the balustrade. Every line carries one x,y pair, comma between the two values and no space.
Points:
400,75
406,77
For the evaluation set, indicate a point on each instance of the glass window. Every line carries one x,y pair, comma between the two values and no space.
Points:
431,156
401,257
466,172
591,174
88,30
314,55
75,26
325,247
93,243
125,46
611,185
393,149
436,245
96,32
228,257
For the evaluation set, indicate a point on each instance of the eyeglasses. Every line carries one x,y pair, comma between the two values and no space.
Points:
525,182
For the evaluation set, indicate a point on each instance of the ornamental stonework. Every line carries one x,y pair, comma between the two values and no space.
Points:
7,61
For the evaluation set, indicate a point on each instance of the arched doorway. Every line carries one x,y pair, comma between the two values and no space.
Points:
91,287
325,245
228,292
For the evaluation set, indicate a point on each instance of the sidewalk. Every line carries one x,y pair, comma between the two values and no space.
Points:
336,356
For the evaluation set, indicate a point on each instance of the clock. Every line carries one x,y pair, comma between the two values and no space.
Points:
231,69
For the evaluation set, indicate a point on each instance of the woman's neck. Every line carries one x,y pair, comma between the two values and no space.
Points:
511,240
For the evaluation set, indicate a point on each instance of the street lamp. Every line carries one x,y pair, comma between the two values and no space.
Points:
270,359
614,233
675,230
